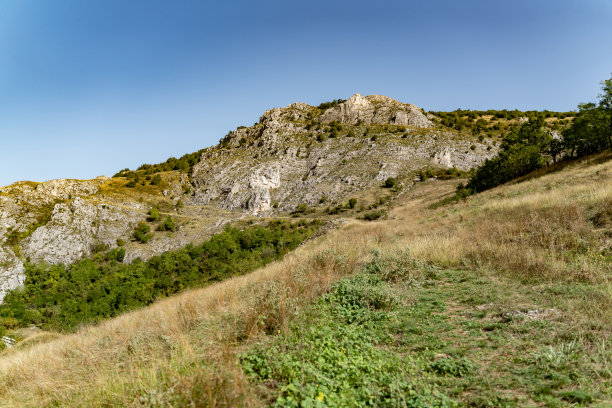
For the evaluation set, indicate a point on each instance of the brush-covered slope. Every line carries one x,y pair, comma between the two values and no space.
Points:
499,300
295,156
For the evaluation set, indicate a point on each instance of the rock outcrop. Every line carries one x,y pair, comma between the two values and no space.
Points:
376,109
295,155
309,162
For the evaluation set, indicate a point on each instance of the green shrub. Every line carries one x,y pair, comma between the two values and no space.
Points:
522,152
167,225
153,214
156,180
352,202
141,232
451,367
390,182
301,209
327,105
374,215
64,297
339,360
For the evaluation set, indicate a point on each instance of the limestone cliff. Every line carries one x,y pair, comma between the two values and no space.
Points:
295,155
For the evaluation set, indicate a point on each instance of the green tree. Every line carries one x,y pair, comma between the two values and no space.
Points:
605,103
591,130
153,214
141,232
390,182
156,180
167,225
521,153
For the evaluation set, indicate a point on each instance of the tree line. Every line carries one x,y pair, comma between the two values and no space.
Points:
61,297
530,146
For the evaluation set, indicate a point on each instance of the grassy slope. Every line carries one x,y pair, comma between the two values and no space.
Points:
541,246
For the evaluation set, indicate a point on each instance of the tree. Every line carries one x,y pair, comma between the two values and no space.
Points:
156,180
521,153
605,104
141,232
390,182
153,214
591,130
555,149
167,225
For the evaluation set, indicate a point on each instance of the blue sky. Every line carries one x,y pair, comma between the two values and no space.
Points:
90,87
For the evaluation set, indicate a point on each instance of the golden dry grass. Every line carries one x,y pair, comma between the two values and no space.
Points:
182,351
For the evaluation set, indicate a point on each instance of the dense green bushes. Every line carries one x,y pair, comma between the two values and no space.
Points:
331,104
185,164
522,152
530,147
141,232
473,121
63,297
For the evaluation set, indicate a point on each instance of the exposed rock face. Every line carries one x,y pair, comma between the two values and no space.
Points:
376,109
11,272
295,155
58,221
76,228
282,159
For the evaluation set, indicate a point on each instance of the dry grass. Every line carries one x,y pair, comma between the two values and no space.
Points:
553,228
182,348
182,351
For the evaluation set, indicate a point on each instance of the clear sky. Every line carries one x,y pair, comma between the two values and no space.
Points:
90,87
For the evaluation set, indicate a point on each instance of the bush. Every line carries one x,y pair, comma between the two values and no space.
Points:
301,209
141,232
153,214
374,215
156,180
64,297
352,202
451,367
522,152
390,182
327,105
167,225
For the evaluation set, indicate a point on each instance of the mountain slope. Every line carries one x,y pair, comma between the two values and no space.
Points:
295,156
501,300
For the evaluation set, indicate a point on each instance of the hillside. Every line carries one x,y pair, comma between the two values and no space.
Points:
499,300
300,159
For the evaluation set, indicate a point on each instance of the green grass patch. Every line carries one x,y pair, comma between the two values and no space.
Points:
402,333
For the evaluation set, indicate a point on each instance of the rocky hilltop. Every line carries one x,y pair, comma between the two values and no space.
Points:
295,156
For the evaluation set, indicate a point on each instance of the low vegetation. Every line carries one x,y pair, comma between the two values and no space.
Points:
530,147
498,122
502,300
63,297
183,164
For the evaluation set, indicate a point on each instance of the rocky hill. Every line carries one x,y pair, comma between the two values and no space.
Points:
295,157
